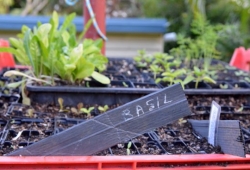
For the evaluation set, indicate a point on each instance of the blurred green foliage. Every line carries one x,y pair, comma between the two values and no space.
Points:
233,14
4,6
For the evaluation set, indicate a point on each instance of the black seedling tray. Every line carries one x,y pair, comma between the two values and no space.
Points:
148,143
8,99
121,92
224,110
124,87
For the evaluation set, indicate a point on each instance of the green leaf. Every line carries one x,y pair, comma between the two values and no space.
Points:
158,80
84,110
9,50
101,78
188,79
15,43
197,70
15,84
54,21
26,43
83,69
43,33
59,67
129,145
86,28
18,73
209,79
21,57
26,99
44,56
91,108
75,55
98,43
66,37
68,20
36,55
98,61
60,101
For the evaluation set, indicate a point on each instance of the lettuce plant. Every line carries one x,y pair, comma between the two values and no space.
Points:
55,51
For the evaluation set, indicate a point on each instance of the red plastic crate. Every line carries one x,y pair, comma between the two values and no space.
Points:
156,162
241,59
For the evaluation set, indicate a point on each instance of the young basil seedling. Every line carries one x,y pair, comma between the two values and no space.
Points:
103,109
128,148
87,111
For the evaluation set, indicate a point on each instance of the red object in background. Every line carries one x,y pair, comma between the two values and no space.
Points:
6,59
241,59
99,9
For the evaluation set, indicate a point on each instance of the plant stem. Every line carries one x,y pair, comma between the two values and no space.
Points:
196,83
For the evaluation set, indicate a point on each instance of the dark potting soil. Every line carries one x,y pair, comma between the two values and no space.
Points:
165,140
229,104
39,121
23,130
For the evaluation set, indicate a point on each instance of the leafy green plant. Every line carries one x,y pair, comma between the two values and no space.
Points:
103,109
202,43
201,75
156,70
171,77
54,51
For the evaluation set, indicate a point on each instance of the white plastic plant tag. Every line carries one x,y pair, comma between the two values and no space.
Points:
214,123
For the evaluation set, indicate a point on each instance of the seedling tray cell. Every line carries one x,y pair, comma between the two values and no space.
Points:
146,86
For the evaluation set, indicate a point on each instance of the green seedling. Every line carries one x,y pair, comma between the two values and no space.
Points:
77,110
187,80
30,112
225,86
247,79
60,102
201,75
6,91
241,73
124,84
142,60
240,109
182,121
2,83
171,77
87,111
162,58
228,67
103,109
128,148
156,70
